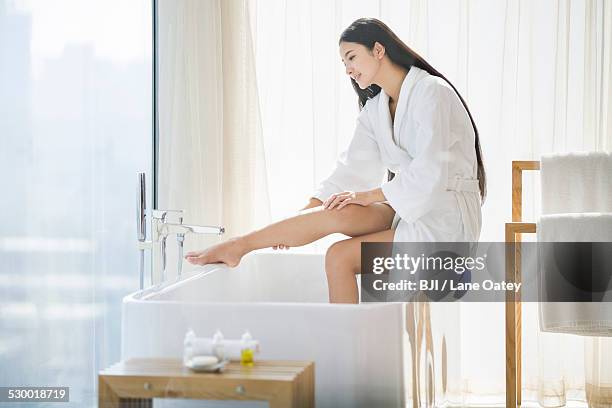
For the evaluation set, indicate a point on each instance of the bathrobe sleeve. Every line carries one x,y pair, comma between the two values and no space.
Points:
359,168
412,192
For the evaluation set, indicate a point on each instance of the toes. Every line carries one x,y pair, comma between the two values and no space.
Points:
193,261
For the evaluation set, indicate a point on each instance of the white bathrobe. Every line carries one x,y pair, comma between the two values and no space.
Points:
430,148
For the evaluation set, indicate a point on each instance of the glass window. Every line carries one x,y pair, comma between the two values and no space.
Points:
75,127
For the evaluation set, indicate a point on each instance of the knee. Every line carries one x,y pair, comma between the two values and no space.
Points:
339,257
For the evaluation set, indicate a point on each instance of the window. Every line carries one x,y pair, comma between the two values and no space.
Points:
75,127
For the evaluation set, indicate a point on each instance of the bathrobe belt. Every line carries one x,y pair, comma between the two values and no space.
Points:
463,184
469,214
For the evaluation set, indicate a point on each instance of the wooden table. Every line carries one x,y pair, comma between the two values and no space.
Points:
136,382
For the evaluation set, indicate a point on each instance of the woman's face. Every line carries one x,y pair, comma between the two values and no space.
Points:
361,64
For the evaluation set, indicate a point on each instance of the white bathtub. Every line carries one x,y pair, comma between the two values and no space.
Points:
282,299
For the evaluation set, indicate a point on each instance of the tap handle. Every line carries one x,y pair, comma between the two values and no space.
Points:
141,208
162,214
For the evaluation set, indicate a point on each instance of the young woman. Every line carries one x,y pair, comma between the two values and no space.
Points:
412,123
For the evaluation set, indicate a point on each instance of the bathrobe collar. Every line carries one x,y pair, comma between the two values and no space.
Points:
412,77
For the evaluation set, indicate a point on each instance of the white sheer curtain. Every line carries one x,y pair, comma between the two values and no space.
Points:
211,161
537,77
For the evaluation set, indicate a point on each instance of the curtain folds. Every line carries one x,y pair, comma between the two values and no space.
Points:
211,158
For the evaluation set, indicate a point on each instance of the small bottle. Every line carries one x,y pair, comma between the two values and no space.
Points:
247,352
217,345
190,337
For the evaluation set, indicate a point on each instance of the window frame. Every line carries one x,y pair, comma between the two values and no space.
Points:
155,107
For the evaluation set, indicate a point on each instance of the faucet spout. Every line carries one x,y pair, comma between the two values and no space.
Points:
171,228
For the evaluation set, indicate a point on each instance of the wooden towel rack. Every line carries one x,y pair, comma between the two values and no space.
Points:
514,230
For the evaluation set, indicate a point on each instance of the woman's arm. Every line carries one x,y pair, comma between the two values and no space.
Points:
359,167
413,192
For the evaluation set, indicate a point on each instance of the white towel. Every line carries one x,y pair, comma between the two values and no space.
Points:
584,318
576,182
586,227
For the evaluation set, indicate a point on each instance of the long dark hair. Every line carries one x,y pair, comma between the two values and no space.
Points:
367,31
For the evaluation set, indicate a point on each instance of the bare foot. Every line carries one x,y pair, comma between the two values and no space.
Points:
229,253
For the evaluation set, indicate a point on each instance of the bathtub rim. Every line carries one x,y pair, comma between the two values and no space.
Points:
147,295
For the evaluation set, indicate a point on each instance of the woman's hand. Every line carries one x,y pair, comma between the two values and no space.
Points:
340,200
280,246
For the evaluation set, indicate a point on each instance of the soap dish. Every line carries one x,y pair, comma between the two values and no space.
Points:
206,364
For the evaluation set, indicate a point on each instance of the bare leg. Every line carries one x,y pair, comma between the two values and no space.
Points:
343,262
310,225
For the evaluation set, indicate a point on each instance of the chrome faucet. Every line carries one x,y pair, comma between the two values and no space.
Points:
160,229
141,225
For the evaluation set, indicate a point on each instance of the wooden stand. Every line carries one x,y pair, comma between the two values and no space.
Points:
514,230
136,382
